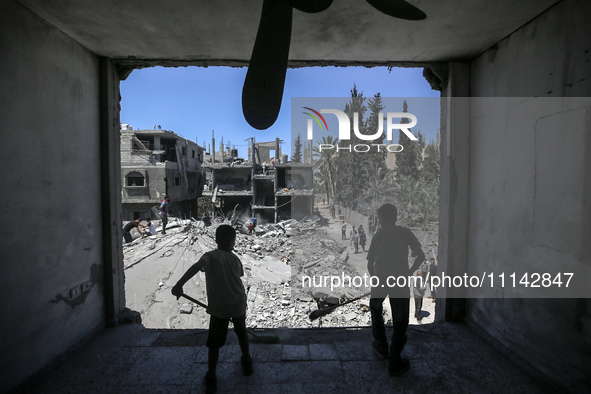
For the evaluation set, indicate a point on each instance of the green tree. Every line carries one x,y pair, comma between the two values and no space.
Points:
320,184
416,199
325,163
430,168
378,188
408,161
374,158
297,150
349,165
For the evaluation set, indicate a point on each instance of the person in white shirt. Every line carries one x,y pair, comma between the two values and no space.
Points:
151,227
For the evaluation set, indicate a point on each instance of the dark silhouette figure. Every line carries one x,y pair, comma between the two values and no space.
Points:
226,298
388,257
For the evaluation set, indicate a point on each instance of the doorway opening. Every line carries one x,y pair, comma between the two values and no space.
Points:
292,202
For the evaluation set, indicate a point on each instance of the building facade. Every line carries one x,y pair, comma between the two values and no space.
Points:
158,163
267,187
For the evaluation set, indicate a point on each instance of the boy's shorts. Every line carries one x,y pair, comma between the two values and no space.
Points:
218,330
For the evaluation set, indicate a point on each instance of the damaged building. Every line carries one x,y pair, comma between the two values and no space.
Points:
158,163
267,187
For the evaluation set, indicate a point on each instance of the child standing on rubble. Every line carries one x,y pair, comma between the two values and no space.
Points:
226,300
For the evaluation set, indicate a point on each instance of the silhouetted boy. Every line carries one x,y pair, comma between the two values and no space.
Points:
388,257
226,300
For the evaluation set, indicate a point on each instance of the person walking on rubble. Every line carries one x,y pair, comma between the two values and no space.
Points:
344,230
388,257
164,213
226,298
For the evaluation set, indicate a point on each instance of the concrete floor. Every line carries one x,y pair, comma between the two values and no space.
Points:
444,358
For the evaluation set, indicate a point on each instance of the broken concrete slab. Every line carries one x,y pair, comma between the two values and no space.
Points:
187,309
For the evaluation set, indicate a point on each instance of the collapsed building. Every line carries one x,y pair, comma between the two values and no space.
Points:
267,188
158,163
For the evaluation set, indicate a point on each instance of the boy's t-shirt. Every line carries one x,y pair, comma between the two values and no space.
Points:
389,250
226,297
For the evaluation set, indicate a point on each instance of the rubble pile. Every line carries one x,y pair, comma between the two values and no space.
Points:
275,260
272,306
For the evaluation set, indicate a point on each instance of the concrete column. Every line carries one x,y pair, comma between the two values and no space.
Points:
110,191
454,192
157,147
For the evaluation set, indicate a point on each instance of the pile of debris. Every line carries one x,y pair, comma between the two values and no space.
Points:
274,258
273,306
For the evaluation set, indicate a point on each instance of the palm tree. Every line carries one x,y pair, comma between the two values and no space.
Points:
377,188
324,161
320,184
415,197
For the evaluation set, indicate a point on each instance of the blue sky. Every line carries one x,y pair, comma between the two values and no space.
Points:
193,101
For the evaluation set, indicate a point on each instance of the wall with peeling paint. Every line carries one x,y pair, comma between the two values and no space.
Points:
530,185
51,223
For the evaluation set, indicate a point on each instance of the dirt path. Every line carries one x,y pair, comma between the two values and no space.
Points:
357,260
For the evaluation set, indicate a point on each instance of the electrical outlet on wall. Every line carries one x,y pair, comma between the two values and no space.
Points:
86,286
74,291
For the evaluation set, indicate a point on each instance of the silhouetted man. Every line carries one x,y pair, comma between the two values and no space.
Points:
388,258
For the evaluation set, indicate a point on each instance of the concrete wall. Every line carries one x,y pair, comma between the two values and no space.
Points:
529,186
353,218
51,238
159,177
154,188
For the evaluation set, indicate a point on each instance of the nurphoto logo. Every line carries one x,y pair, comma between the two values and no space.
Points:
345,130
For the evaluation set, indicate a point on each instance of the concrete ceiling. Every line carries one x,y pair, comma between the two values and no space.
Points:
217,32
